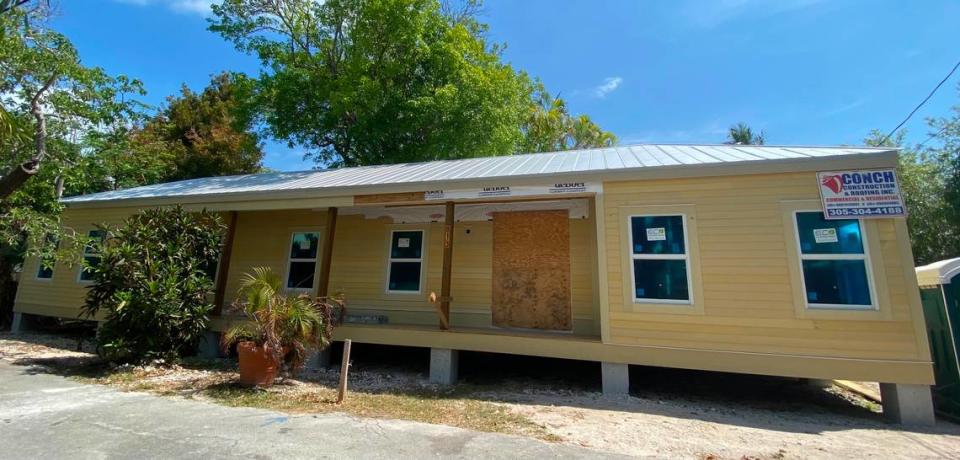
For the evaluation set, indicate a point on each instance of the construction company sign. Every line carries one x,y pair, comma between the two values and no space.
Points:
873,193
500,191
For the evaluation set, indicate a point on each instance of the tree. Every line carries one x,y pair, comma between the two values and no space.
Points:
40,76
922,183
550,127
741,134
204,134
50,103
947,132
385,81
152,284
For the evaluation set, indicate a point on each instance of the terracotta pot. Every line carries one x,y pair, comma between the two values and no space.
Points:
258,367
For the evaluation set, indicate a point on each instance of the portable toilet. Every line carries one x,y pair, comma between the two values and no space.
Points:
940,291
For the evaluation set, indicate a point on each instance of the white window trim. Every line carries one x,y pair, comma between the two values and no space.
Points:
391,260
291,260
83,258
865,257
53,272
685,257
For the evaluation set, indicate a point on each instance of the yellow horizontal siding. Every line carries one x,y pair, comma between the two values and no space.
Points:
360,260
262,239
746,281
63,295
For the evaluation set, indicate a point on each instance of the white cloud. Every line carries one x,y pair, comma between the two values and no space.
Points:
183,6
609,85
192,6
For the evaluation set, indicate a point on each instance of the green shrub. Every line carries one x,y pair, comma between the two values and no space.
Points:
152,283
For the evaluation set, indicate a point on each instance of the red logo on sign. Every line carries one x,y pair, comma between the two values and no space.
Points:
834,183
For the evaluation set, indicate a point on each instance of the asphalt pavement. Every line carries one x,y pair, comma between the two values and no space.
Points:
51,417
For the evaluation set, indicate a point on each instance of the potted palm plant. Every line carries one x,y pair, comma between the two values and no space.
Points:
278,328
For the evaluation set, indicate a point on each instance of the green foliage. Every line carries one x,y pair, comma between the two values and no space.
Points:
741,134
151,284
551,128
44,85
365,82
282,323
378,81
930,182
204,134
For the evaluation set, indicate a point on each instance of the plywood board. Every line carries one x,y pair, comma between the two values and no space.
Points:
531,270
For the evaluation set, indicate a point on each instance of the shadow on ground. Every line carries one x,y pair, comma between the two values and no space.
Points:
715,396
773,403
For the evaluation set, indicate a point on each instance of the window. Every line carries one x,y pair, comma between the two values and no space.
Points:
660,259
303,260
406,261
833,262
45,268
91,254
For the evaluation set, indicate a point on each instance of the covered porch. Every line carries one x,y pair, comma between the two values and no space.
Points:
511,264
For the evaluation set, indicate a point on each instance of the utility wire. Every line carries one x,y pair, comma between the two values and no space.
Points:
941,131
924,101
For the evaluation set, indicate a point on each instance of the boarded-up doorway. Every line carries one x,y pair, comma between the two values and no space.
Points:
531,270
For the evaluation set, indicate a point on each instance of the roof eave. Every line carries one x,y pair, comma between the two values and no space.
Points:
886,158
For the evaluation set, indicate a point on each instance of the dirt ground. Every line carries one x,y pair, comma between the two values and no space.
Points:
670,414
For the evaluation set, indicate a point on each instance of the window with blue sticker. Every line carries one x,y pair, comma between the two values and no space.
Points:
660,259
833,261
406,261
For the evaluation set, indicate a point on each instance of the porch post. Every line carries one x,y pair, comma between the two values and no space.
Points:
223,268
324,283
447,264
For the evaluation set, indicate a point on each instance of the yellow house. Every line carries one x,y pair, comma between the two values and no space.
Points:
687,256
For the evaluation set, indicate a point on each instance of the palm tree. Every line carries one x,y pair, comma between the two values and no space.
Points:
286,326
550,127
741,134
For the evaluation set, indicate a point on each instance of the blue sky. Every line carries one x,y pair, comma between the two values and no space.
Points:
808,72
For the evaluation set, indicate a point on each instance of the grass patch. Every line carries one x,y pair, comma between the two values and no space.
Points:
215,380
437,407
375,393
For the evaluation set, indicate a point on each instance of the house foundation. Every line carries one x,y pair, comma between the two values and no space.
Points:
209,346
907,404
318,359
17,326
616,378
443,365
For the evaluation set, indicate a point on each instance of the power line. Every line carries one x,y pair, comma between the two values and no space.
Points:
924,101
934,135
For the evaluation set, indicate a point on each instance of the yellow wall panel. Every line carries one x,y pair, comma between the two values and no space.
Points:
746,275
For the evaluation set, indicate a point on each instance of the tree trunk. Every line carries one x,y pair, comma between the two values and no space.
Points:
19,175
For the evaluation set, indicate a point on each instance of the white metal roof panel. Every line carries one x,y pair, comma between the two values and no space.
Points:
600,160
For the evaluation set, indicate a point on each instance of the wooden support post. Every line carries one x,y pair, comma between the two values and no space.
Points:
323,285
223,268
447,266
344,369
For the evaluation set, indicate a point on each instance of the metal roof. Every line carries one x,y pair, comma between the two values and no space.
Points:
589,161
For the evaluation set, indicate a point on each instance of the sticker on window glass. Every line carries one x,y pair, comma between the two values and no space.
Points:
403,242
305,245
825,235
657,234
